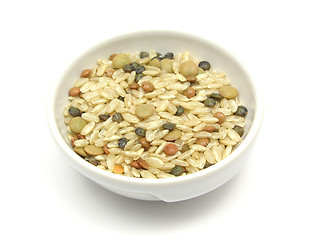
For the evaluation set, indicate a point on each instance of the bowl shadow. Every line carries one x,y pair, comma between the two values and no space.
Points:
134,213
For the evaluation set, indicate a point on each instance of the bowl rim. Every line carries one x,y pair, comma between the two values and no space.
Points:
251,135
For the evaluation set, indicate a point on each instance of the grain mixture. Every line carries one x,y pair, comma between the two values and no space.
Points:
148,115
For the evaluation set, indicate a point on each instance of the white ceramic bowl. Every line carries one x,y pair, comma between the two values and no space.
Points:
172,189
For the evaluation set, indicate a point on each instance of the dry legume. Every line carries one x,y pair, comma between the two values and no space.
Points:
74,91
76,124
86,73
144,143
118,169
220,116
209,128
228,92
93,150
189,92
188,68
170,149
144,110
147,86
203,141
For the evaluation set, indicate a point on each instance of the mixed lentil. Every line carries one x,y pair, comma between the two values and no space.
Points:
154,116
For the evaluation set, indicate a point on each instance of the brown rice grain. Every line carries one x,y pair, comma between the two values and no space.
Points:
87,128
147,174
198,147
81,142
191,169
152,149
228,141
135,172
202,161
184,128
80,82
180,163
167,166
165,175
217,153
160,148
186,154
209,156
193,162
202,134
155,162
89,117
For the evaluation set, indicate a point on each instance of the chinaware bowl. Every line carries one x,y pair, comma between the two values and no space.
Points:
169,189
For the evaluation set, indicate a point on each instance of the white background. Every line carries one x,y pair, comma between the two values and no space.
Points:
276,195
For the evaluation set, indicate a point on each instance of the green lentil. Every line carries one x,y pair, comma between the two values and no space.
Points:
216,96
122,142
204,65
128,68
241,111
80,151
93,150
179,111
74,112
121,98
120,60
94,162
177,170
138,77
144,54
169,126
185,147
140,69
166,65
207,164
173,135
76,124
239,130
210,102
169,55
117,117
144,111
140,132
135,65
104,117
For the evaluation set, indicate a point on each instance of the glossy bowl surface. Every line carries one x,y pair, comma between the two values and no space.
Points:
172,189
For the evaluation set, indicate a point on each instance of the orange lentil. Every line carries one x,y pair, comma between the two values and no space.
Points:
118,169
